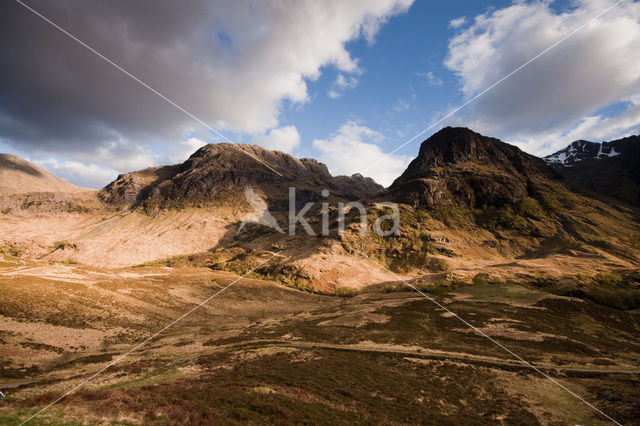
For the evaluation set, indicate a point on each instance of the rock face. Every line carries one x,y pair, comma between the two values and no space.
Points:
609,169
129,188
217,171
459,167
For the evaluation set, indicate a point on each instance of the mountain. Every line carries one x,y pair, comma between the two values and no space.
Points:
465,201
217,172
28,188
157,212
19,176
607,169
582,150
485,229
458,167
469,196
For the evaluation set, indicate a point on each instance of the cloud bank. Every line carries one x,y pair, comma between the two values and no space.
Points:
564,94
284,139
232,64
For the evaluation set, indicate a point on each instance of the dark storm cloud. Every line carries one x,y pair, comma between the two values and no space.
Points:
57,95
229,63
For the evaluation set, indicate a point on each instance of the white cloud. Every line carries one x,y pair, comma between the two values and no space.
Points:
558,95
401,105
120,155
346,82
193,144
88,175
594,128
179,153
341,85
333,94
458,22
353,148
404,104
431,78
284,139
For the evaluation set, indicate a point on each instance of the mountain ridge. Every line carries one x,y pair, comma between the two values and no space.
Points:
607,170
218,168
466,199
582,150
20,176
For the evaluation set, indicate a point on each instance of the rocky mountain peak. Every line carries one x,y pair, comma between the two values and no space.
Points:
218,169
460,145
460,167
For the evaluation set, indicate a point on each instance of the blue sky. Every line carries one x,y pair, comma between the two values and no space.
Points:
341,82
393,94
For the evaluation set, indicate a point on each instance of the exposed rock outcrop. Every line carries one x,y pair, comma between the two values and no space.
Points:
459,167
219,171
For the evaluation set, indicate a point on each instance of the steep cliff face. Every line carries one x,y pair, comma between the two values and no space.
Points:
219,171
459,167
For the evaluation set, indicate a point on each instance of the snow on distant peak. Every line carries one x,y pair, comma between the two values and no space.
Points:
611,153
582,150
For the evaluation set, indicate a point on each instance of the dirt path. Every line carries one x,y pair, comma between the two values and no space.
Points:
424,354
10,385
443,356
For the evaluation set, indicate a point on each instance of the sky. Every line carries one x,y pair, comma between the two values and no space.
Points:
357,85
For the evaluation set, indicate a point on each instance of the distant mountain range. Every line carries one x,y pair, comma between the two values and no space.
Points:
607,169
581,150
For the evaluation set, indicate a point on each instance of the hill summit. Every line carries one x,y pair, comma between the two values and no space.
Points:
29,189
216,171
459,167
19,176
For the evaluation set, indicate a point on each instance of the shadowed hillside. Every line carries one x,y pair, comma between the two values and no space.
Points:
467,196
604,170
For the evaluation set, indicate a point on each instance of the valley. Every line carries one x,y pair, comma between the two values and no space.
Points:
262,352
